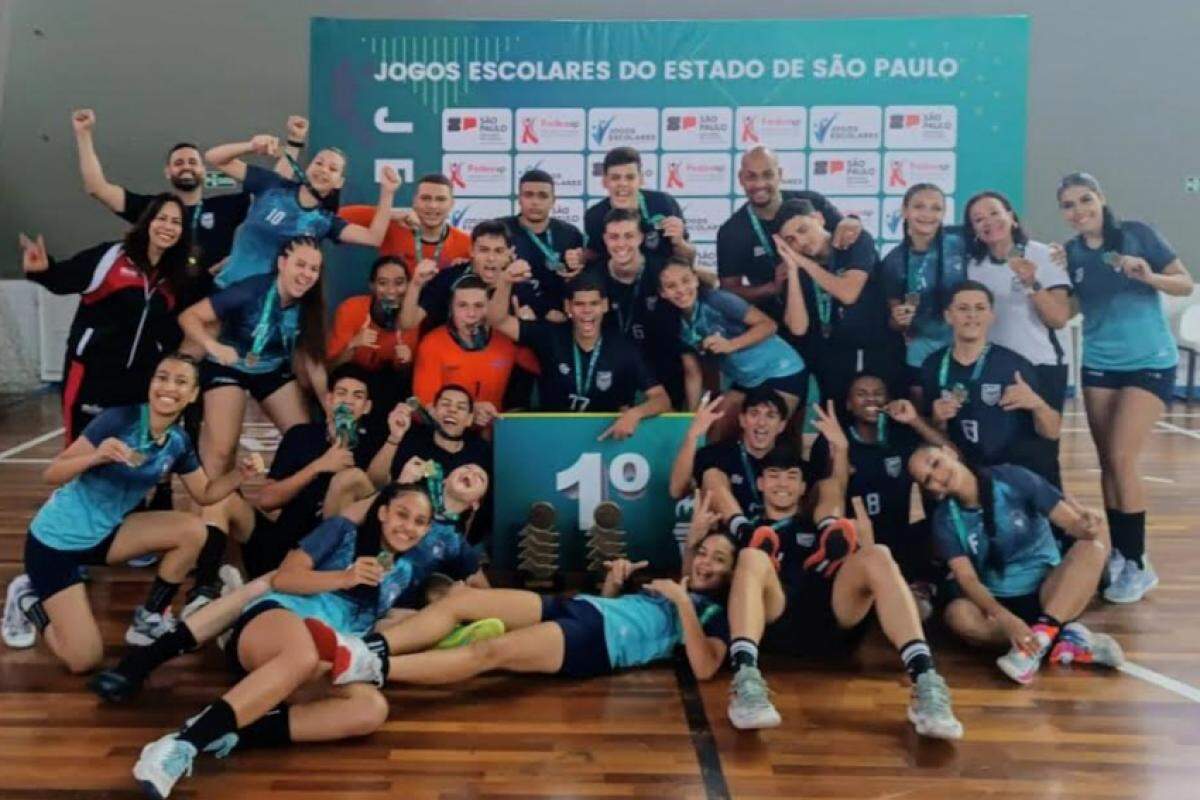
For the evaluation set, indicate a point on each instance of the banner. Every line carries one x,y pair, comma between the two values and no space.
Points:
856,109
556,458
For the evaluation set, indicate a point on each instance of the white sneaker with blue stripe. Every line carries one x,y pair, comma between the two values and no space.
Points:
1133,583
162,763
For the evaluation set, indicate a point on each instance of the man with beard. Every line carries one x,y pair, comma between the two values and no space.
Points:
748,262
553,248
211,220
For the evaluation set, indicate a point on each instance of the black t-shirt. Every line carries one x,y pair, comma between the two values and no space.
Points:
300,446
797,541
656,247
636,312
547,284
982,430
213,224
864,324
617,371
879,475
419,442
743,474
436,295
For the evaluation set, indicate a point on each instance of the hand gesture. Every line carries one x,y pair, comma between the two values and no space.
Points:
625,426
485,412
403,354
1091,522
33,254
1018,633
1136,268
902,315
223,354
618,571
788,257
83,120
399,421
675,591
826,423
574,263
408,218
703,517
426,269
523,312
113,451
366,337
846,233
412,471
517,272
946,408
717,344
297,128
389,180
1020,396
1024,269
337,458
365,571
673,228
265,144
902,411
706,414
1058,255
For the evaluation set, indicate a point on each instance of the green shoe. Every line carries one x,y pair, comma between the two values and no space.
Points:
477,631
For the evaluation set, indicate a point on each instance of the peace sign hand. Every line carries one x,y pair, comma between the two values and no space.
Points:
33,255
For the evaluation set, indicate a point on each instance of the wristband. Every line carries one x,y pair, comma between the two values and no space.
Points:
294,143
393,444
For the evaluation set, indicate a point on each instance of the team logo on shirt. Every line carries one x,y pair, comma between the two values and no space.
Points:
970,429
892,465
736,479
989,393
206,220
564,369
1079,275
806,539
1018,521
651,302
604,380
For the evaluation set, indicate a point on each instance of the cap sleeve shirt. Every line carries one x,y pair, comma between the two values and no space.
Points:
1017,325
1124,327
273,218
645,627
605,380
933,274
1022,503
89,507
246,311
721,312
656,247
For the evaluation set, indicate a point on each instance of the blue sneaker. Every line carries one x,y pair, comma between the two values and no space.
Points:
162,763
1133,583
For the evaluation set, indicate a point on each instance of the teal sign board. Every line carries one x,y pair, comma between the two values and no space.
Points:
556,458
856,109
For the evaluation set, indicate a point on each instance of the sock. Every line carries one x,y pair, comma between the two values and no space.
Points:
1136,537
1124,535
209,560
213,723
740,529
273,729
161,595
743,652
138,662
917,658
35,612
379,646
1048,625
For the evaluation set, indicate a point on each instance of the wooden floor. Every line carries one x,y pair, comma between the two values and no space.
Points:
1074,733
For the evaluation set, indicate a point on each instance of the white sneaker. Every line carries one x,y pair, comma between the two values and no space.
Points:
1022,667
146,627
1116,563
929,709
162,763
352,660
1133,583
231,579
19,632
750,706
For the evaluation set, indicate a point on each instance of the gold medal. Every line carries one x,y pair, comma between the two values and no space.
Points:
386,560
251,360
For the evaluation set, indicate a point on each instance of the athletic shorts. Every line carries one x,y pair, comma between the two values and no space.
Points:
235,635
585,648
51,570
1026,606
808,628
261,385
1158,382
795,384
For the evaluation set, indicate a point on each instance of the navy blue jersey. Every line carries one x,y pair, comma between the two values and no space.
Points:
879,474
656,247
604,380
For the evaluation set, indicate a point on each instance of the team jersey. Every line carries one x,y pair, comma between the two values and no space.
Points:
655,247
721,312
933,274
738,464
453,245
558,238
1124,326
436,296
482,371
1022,504
878,474
742,253
240,308
606,379
982,430
352,315
1017,325
419,442
862,324
90,506
273,218
212,223
645,627
797,541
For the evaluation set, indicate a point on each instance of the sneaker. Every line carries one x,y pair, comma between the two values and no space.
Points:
477,631
200,597
1116,563
1078,645
1133,583
231,579
146,626
19,632
162,763
352,660
1021,667
148,560
750,701
112,686
929,710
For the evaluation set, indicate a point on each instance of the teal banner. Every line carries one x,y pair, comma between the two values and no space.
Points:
557,458
856,109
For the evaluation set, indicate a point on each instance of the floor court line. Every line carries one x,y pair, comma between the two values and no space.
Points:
34,442
1166,426
1161,681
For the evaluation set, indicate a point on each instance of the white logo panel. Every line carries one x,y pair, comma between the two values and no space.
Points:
902,170
844,173
865,208
477,129
705,128
479,175
706,256
891,221
595,170
919,127
696,173
569,211
845,127
793,165
565,168
622,127
704,216
547,129
470,211
777,127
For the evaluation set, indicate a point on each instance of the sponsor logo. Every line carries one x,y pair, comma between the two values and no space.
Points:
834,127
989,393
569,211
696,173
706,256
617,127
470,211
865,208
550,129
918,127
844,173
476,129
777,127
705,216
905,169
484,175
565,168
709,128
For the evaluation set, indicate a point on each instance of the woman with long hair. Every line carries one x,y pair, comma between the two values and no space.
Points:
130,294
1118,269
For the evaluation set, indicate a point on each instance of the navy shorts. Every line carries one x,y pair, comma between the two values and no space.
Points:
1026,606
1158,382
795,384
51,570
585,649
235,634
261,385
808,628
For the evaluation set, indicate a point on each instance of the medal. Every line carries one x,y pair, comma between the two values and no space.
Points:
345,426
1113,259
251,360
960,393
912,299
549,254
386,560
